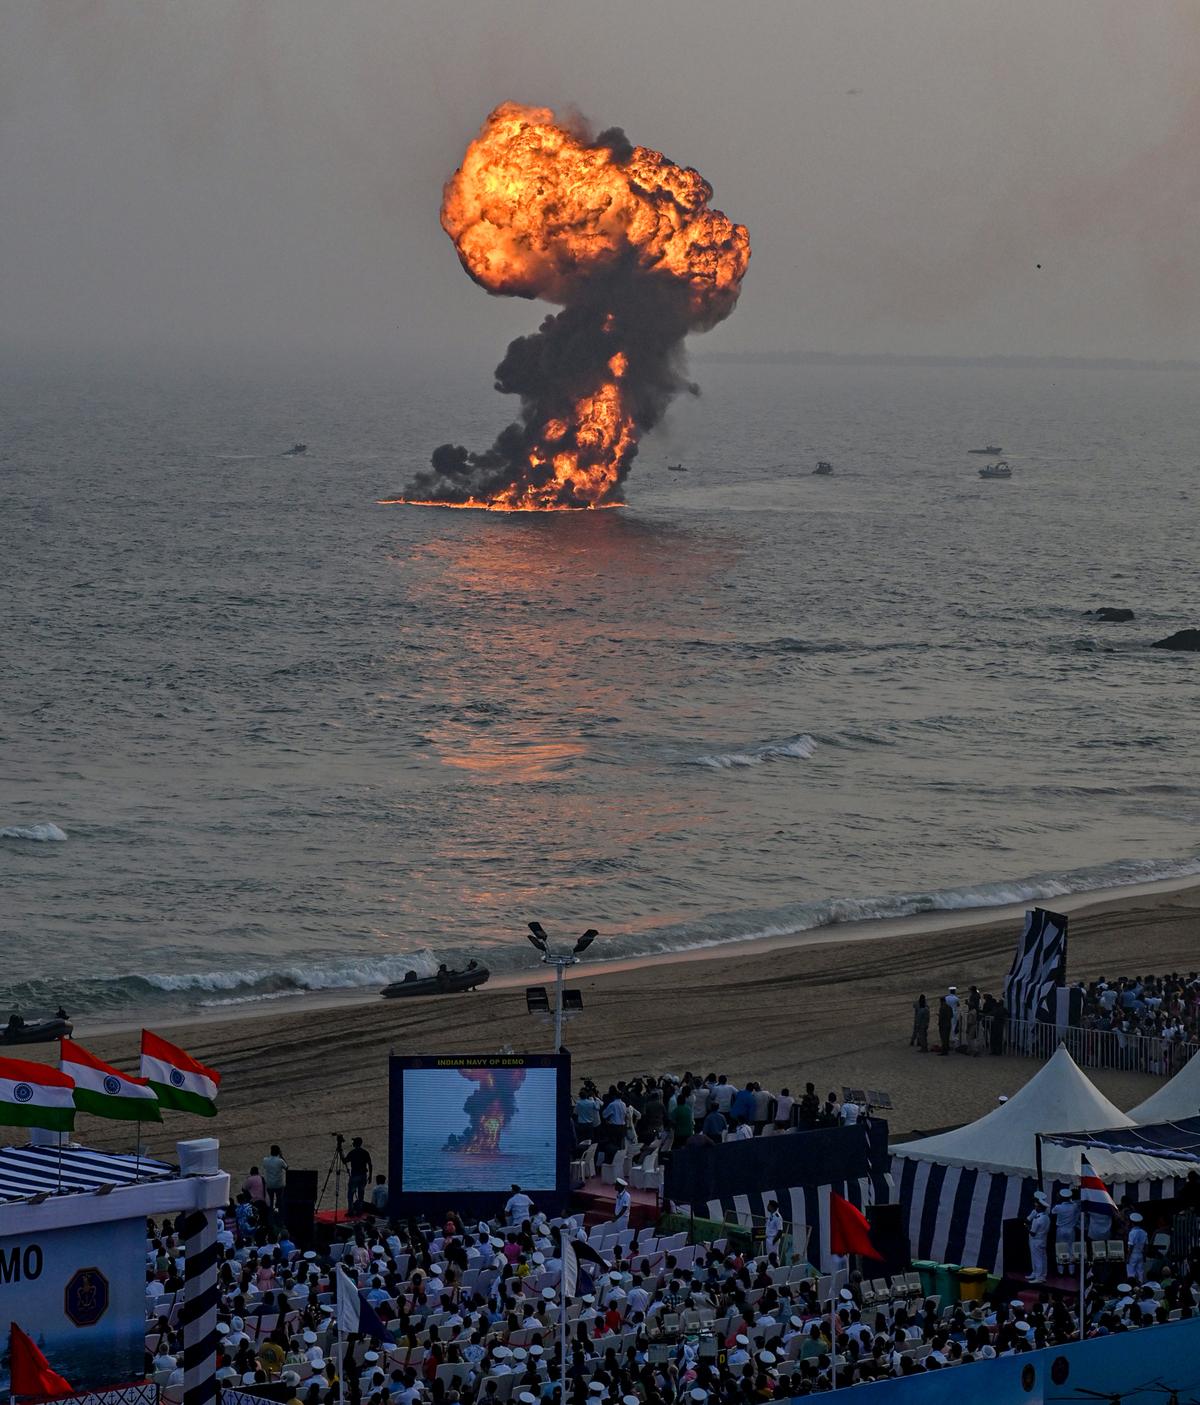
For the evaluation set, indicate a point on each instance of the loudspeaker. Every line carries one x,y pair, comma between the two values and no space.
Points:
1017,1262
300,1217
301,1185
889,1237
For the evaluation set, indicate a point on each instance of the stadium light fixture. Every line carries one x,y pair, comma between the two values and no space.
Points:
538,939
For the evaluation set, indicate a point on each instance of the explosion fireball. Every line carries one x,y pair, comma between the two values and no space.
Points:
624,241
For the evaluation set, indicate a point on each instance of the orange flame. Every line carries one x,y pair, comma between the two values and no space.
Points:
537,210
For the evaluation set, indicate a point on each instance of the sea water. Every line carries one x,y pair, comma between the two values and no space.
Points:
261,735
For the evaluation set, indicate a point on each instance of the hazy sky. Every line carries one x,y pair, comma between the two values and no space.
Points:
256,175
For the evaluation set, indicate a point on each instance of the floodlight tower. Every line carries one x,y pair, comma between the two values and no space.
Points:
538,939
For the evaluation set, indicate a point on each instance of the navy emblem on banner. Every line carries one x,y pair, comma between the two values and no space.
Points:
22,1093
85,1300
176,1078
112,1085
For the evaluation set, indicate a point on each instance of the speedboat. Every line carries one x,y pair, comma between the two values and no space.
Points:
676,468
824,468
18,1031
996,470
295,449
443,983
991,449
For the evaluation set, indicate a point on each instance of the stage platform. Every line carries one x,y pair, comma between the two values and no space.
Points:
595,1198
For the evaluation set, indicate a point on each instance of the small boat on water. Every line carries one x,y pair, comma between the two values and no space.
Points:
443,983
294,450
676,468
991,449
824,468
996,470
19,1031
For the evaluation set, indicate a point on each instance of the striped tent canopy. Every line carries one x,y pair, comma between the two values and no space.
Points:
957,1189
50,1170
956,1214
799,1205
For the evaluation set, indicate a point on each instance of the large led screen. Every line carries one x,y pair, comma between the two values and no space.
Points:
466,1130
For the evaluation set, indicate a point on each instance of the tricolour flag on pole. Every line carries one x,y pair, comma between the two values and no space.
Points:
35,1095
354,1312
1093,1193
105,1091
180,1081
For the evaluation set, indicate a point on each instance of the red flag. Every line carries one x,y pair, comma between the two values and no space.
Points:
849,1232
32,1374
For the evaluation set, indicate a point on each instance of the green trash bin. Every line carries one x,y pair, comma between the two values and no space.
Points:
946,1279
927,1269
972,1284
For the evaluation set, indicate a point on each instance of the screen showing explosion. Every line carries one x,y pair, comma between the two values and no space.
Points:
479,1129
624,241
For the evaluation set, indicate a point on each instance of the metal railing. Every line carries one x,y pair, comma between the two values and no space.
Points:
1092,1048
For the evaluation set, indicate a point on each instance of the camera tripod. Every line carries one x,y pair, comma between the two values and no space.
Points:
334,1169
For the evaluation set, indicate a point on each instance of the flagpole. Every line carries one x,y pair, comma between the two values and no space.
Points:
833,1301
1082,1269
340,1274
562,1342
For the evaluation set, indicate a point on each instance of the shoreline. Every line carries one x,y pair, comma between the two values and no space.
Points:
916,926
833,1012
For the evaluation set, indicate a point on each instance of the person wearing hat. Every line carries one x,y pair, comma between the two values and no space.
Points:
622,1203
1136,1240
1038,1224
1066,1228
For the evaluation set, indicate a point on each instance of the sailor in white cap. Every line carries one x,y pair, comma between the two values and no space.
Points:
1136,1240
740,1352
1038,1223
1066,1228
622,1203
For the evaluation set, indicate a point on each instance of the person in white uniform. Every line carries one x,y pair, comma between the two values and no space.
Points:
1038,1223
1136,1240
622,1203
1066,1229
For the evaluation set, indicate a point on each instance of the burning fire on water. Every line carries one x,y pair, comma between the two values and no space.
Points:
490,1108
624,241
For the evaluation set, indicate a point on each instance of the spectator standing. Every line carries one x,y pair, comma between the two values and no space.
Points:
274,1174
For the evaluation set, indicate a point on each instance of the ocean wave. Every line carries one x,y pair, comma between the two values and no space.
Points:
37,833
799,747
205,989
247,987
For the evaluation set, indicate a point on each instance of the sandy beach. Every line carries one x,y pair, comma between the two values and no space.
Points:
835,1011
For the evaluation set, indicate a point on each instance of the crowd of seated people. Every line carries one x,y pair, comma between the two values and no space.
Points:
472,1313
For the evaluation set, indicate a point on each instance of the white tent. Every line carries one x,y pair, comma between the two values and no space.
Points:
1175,1100
956,1190
1058,1098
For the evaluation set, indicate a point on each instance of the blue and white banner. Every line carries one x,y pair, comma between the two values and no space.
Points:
1039,967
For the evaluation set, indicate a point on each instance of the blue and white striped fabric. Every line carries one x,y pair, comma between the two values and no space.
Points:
956,1214
799,1205
37,1170
1039,966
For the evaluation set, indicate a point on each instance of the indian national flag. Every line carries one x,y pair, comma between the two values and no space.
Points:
180,1081
106,1092
34,1095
